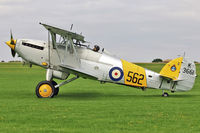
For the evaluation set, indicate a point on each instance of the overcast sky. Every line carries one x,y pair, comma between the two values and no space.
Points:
135,30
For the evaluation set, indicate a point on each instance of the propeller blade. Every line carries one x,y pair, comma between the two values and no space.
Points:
13,52
12,44
11,36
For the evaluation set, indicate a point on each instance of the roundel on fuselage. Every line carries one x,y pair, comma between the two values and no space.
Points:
116,74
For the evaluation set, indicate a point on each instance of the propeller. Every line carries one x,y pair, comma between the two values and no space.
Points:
12,44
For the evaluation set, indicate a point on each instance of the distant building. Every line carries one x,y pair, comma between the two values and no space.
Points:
167,60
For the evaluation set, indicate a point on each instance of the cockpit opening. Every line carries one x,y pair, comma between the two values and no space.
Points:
96,48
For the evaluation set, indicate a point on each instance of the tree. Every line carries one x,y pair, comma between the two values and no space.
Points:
157,60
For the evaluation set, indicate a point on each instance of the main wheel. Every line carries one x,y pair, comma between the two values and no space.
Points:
56,89
45,89
165,94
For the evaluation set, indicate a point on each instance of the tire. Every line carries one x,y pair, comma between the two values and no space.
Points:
45,89
165,94
56,89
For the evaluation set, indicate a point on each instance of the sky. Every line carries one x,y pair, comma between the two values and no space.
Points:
135,30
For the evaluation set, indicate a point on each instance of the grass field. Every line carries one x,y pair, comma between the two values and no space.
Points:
90,107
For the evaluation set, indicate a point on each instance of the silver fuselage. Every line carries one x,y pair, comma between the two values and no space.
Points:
94,65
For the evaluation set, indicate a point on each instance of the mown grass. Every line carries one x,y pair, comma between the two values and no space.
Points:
90,107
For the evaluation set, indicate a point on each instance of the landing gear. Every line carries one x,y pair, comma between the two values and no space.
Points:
56,88
165,94
45,89
49,88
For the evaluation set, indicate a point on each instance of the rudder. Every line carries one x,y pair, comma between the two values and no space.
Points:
187,75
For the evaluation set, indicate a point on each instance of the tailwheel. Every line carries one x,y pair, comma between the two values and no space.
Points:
45,89
165,94
56,89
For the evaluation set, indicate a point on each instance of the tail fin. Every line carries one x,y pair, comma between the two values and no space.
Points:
182,71
171,70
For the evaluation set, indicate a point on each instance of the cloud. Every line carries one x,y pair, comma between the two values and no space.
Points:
137,30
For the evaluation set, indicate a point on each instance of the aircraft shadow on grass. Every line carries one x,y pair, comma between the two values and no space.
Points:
97,95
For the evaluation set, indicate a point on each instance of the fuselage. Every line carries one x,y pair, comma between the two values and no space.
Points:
89,64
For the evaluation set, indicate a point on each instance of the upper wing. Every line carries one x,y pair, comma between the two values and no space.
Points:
63,42
64,32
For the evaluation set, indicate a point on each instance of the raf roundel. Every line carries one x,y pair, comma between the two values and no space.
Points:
116,73
173,68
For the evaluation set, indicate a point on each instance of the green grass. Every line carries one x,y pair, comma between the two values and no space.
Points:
90,107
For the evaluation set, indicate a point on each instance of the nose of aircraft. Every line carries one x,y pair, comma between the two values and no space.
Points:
12,44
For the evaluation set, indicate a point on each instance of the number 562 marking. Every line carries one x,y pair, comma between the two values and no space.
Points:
135,78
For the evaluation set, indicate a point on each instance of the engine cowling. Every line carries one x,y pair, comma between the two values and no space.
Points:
60,75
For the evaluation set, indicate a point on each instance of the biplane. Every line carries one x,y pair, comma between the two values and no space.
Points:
67,53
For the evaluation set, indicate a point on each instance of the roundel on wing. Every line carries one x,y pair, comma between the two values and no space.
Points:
116,73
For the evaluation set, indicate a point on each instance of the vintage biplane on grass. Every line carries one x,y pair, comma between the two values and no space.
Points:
68,53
